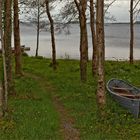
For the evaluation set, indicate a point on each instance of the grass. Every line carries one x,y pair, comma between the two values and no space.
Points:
33,116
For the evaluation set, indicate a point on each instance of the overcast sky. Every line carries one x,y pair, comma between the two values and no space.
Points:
120,10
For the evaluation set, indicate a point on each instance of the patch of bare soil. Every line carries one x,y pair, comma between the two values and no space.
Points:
67,129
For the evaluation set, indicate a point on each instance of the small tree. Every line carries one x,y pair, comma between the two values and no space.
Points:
35,12
92,26
82,6
133,11
131,31
38,25
52,34
6,45
18,63
1,87
101,99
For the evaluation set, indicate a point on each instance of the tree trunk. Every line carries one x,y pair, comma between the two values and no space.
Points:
92,26
38,28
81,6
101,99
18,63
1,90
52,35
7,46
83,49
1,102
131,32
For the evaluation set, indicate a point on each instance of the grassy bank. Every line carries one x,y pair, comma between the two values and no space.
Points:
32,113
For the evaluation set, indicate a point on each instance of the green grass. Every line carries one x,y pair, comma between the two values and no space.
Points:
34,117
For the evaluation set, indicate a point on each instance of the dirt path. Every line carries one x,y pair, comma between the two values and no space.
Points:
67,129
67,122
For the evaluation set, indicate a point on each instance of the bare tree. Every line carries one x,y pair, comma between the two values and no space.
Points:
1,87
7,44
92,26
132,12
35,12
7,51
52,34
131,31
93,32
18,63
38,25
101,99
1,102
82,6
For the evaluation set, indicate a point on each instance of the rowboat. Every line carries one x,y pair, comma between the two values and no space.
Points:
125,94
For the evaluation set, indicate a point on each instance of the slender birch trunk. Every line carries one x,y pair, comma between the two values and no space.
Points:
4,86
52,35
131,32
1,102
7,46
1,87
38,27
101,99
81,6
93,33
18,63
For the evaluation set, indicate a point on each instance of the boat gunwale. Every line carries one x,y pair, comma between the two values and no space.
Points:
114,93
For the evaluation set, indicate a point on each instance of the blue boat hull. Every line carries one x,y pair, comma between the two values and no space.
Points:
133,105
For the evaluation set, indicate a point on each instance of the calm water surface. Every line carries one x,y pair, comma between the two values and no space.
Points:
67,46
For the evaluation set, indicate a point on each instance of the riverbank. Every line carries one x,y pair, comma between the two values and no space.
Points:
35,114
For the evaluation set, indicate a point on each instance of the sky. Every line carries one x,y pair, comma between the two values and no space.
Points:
120,10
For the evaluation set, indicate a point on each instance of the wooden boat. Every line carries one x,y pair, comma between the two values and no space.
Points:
126,94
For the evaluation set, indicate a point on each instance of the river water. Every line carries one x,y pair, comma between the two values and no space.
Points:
67,45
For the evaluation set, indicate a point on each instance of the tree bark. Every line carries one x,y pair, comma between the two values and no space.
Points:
101,99
18,63
131,32
7,46
81,6
52,35
93,33
38,27
1,87
1,102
